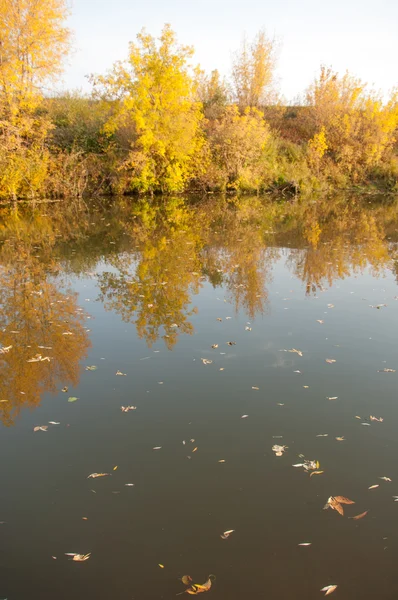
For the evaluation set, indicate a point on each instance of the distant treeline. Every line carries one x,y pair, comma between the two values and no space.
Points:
157,124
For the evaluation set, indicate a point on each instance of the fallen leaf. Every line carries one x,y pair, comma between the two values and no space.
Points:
78,557
244,416
360,516
385,478
316,473
330,361
372,487
161,566
127,408
194,450
255,388
332,397
157,448
343,500
72,399
227,533
305,544
329,589
91,368
206,361
64,389
129,484
186,579
95,475
294,351
221,461
54,423
386,371
115,468
199,589
341,439
214,346
378,419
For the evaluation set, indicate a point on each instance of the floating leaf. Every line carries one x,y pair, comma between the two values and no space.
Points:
316,473
244,416
386,371
330,361
65,389
72,399
206,361
199,589
95,475
372,487
360,516
385,478
121,374
305,544
343,500
78,557
186,579
161,566
91,368
115,468
157,448
227,533
329,589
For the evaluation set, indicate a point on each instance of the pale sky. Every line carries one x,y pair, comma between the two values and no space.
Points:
358,35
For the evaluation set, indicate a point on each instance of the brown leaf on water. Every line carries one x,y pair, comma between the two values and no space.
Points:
360,516
337,506
194,450
95,475
78,557
373,487
343,500
330,361
316,473
186,579
64,389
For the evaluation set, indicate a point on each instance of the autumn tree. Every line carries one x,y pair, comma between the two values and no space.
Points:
33,44
214,93
253,71
351,126
236,144
154,91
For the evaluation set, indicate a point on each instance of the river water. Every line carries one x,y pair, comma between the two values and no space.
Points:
224,328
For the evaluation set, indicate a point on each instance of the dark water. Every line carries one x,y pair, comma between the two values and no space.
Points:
147,290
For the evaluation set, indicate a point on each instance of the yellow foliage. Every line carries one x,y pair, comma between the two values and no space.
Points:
353,127
33,44
155,91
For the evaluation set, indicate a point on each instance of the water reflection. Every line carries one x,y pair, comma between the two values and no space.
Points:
42,333
153,258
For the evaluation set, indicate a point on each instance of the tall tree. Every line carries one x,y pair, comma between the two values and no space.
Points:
253,71
33,44
155,91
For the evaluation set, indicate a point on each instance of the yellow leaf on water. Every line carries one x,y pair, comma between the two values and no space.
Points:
161,566
115,468
186,579
194,450
316,473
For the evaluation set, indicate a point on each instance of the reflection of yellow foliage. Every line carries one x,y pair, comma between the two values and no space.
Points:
36,319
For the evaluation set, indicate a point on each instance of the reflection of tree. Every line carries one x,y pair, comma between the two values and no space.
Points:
36,319
154,291
339,243
237,256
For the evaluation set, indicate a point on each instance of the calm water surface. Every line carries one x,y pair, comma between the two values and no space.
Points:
147,291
